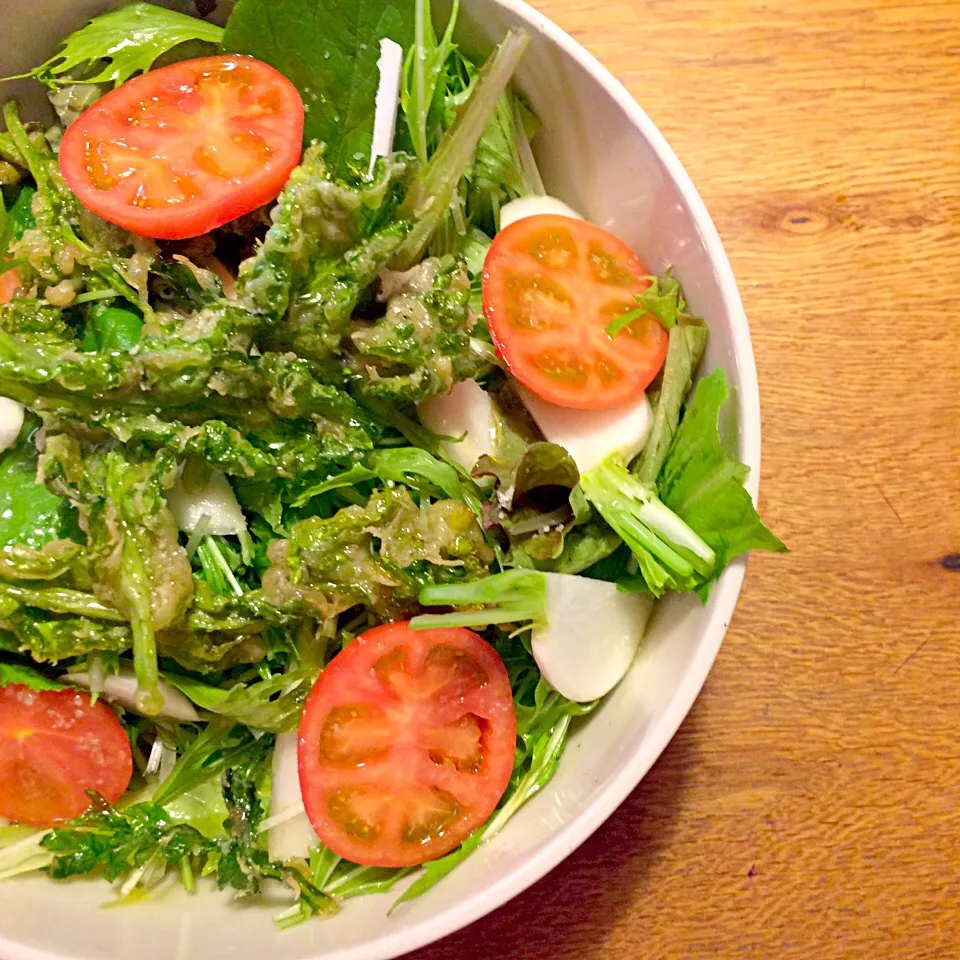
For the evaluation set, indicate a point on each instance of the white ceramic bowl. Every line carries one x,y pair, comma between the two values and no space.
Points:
601,153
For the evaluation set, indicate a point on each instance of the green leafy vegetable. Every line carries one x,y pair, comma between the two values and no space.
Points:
57,559
435,870
140,844
688,340
129,39
431,191
329,50
663,298
29,513
544,757
670,554
327,243
510,597
112,328
17,673
272,705
62,638
377,555
422,95
59,600
704,487
220,746
65,242
503,167
583,546
417,468
421,346
533,501
15,221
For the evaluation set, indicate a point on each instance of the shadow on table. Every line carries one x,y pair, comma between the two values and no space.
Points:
569,911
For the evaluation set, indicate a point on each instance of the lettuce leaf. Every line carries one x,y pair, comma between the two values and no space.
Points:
328,49
18,673
663,298
532,502
29,513
704,487
688,340
121,43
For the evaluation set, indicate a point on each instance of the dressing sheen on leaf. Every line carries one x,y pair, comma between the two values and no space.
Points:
329,50
129,40
704,487
29,512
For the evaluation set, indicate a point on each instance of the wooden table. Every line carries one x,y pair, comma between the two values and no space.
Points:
809,807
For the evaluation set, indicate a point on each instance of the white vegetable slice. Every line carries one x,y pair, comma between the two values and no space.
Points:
123,688
390,66
591,635
11,421
466,411
289,835
591,436
215,500
533,207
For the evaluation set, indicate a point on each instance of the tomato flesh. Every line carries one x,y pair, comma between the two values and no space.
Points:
181,150
54,745
406,744
551,285
9,284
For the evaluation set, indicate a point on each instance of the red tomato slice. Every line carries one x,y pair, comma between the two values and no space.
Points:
54,745
9,283
551,285
406,744
178,151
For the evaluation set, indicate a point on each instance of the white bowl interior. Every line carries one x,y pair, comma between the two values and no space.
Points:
600,153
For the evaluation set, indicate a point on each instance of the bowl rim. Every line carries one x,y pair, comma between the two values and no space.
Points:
725,594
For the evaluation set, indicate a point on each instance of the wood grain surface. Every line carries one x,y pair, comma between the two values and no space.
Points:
810,805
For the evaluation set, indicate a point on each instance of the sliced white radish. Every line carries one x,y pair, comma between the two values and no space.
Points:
390,66
289,831
123,688
533,207
215,499
467,411
11,422
591,436
590,636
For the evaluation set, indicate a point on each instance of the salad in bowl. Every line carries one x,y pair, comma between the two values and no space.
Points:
343,467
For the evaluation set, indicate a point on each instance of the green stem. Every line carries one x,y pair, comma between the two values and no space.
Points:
186,875
670,553
224,566
423,25
9,151
61,600
135,586
533,781
509,597
429,195
35,161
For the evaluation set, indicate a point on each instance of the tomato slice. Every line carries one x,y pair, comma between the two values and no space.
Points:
9,284
178,151
54,745
406,744
551,285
